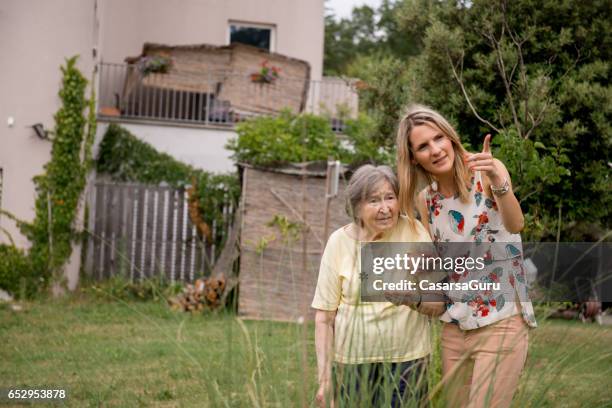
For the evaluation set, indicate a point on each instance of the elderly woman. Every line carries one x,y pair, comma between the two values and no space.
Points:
372,353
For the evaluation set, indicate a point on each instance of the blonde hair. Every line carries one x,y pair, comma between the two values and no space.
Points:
410,172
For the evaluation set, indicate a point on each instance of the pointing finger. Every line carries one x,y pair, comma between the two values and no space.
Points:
480,156
487,144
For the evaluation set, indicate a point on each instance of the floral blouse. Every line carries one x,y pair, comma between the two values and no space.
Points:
479,222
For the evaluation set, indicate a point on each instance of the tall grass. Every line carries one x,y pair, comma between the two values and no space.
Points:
109,347
125,353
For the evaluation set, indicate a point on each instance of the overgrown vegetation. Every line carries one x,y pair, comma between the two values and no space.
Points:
121,288
125,158
287,138
535,75
58,191
97,350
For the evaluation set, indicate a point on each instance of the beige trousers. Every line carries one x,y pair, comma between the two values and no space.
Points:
481,367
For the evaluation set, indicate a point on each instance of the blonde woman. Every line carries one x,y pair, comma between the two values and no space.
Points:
368,353
469,198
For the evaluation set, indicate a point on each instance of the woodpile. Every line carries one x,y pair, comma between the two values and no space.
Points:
204,294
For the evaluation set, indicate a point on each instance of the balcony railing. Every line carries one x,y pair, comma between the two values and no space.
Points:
217,98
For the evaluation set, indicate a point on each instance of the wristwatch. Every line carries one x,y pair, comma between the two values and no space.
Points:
500,191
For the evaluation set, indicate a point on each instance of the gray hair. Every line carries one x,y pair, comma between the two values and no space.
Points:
362,183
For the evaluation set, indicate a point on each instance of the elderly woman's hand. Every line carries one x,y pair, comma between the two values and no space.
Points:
433,309
414,301
324,399
406,297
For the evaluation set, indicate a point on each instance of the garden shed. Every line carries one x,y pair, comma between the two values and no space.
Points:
240,79
278,273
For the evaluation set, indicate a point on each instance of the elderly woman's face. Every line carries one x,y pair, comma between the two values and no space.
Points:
380,210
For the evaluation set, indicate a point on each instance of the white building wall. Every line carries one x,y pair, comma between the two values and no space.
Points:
126,24
36,36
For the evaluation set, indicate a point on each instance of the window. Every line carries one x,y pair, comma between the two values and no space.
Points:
258,35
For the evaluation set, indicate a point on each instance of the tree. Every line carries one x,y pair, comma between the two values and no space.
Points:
536,74
347,38
369,31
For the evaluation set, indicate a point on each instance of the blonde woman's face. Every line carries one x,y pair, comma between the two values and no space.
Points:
432,149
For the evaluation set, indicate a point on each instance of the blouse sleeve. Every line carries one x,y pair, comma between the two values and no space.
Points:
329,286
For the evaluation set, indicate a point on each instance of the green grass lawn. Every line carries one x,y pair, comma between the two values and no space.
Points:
143,354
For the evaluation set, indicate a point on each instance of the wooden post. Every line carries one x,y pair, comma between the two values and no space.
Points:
331,191
327,202
304,358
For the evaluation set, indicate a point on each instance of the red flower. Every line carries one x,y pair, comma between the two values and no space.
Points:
479,187
484,312
483,218
493,302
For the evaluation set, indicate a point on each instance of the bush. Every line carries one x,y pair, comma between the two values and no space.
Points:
290,138
15,268
126,158
268,141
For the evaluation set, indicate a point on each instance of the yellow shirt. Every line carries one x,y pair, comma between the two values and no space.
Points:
367,332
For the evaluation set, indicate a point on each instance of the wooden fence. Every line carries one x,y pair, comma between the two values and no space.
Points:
143,231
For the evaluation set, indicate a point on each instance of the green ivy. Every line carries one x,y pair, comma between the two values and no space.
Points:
125,158
61,186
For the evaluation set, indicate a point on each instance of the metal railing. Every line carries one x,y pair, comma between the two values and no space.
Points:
218,98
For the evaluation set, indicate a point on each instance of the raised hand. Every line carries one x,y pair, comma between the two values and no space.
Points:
484,161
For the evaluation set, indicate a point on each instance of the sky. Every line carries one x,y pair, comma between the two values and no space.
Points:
342,8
